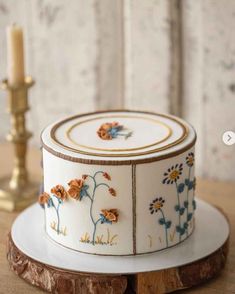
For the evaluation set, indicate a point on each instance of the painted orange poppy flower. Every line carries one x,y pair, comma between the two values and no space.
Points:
75,187
107,176
43,198
59,192
110,214
112,192
84,177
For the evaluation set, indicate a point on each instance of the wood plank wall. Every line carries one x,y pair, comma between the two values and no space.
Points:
173,56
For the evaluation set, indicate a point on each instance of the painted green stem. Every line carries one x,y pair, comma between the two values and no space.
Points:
125,135
194,190
94,231
92,201
58,216
96,173
189,175
91,206
103,184
178,198
163,216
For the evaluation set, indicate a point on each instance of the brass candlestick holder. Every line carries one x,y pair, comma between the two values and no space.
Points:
17,191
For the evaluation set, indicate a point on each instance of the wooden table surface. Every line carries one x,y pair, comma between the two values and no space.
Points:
221,194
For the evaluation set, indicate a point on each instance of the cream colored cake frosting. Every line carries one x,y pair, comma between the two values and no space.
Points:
119,182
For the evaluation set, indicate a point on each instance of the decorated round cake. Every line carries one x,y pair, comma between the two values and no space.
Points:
119,182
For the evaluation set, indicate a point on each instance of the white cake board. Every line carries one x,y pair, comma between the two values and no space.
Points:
29,236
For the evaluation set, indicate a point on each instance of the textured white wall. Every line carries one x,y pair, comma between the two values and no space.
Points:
173,56
209,81
148,57
61,54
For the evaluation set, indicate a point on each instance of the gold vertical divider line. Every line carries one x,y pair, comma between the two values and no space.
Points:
134,207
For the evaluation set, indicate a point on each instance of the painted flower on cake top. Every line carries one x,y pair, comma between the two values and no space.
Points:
109,131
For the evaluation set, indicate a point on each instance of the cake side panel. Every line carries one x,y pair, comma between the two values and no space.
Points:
165,202
97,216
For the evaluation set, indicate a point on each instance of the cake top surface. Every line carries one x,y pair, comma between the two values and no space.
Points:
118,136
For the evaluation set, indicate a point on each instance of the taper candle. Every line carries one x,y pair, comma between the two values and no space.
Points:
15,55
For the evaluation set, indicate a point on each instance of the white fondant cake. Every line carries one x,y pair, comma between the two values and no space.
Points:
119,182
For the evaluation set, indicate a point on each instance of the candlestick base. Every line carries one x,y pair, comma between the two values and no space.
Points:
17,199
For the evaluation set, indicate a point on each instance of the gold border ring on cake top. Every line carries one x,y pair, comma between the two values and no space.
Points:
184,135
68,134
134,158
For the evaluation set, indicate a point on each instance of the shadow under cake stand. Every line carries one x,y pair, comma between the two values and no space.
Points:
40,261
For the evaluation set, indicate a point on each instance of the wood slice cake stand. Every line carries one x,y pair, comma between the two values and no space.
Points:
43,263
